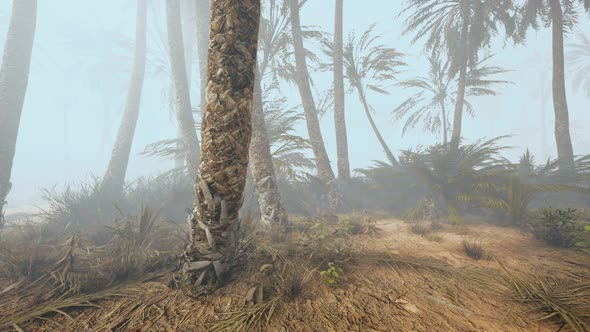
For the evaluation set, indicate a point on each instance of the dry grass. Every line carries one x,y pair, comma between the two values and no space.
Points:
473,249
276,286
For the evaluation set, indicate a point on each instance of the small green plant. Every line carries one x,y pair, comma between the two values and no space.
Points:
332,274
558,227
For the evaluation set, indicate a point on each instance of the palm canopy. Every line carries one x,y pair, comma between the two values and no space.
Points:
579,57
537,13
436,92
459,25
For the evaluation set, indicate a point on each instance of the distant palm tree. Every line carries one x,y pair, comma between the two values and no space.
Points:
579,58
14,79
462,28
367,67
561,15
114,179
339,94
302,79
226,131
184,112
437,91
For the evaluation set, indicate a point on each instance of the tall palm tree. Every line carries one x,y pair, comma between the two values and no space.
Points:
202,24
579,58
368,66
463,28
184,112
263,172
561,15
435,93
339,113
302,78
114,179
14,78
226,136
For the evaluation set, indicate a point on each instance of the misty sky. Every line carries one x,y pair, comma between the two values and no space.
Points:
81,67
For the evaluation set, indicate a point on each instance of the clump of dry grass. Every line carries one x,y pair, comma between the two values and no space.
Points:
50,274
473,249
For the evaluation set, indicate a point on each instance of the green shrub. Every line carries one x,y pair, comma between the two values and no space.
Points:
558,227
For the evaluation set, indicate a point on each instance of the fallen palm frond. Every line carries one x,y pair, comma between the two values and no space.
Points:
249,317
561,300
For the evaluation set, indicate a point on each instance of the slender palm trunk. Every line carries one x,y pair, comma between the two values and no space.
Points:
339,113
202,22
226,131
263,173
14,78
114,178
309,108
184,112
459,103
384,145
444,122
562,127
187,8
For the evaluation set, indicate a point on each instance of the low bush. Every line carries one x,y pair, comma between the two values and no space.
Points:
558,227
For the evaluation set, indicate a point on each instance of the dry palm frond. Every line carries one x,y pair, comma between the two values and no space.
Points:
249,317
562,300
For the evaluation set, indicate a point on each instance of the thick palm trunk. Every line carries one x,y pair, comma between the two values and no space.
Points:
226,130
384,145
339,113
202,23
444,123
263,173
562,127
14,78
309,108
114,178
184,112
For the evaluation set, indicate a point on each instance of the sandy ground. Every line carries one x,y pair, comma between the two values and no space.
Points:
396,281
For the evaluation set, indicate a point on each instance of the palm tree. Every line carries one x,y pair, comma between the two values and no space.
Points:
184,111
114,179
435,93
261,161
579,58
226,136
202,21
462,28
561,16
14,78
339,113
368,66
325,172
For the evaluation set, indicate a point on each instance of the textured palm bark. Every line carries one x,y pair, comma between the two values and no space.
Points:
563,139
114,178
225,133
309,108
202,24
184,112
444,122
14,78
263,173
339,112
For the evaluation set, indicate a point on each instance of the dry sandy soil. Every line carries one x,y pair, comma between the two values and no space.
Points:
393,280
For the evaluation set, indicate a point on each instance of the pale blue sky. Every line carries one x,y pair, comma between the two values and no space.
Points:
78,81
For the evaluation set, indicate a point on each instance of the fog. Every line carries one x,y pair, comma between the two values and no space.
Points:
82,59
295,165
